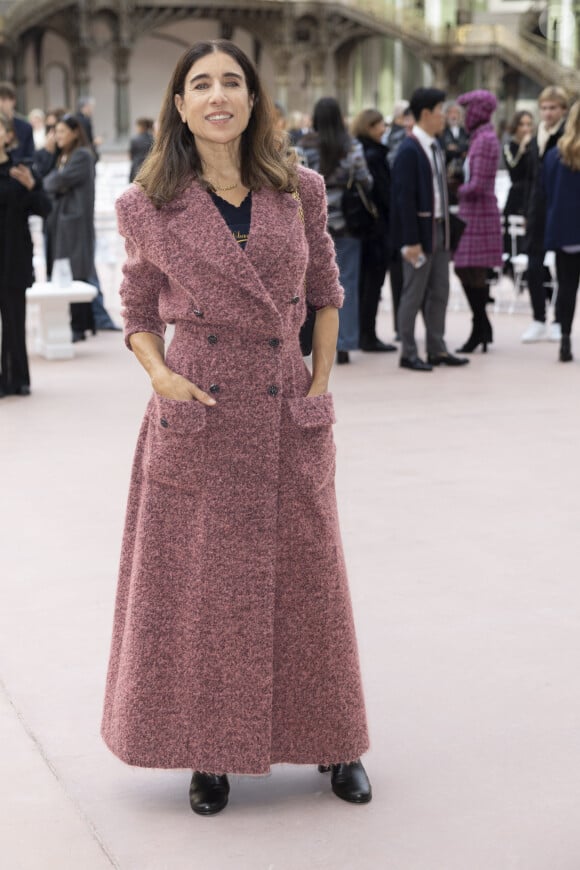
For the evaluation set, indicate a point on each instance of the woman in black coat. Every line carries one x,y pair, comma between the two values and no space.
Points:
70,229
369,127
517,160
21,195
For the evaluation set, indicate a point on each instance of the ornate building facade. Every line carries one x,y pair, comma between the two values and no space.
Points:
366,52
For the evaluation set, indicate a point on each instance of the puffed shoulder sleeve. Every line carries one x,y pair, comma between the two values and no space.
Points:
142,282
322,284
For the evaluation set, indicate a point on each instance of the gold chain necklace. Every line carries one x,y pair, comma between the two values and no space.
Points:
223,189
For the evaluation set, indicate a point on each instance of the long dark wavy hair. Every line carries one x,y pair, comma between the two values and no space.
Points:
174,160
334,140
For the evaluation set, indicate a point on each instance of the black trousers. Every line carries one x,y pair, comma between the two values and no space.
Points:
374,263
538,276
14,359
568,270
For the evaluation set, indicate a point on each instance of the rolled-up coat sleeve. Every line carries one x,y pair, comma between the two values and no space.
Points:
322,283
142,282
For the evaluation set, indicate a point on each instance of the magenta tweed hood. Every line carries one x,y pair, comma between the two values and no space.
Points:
479,107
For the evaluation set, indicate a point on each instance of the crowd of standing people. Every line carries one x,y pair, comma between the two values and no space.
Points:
432,181
47,168
431,169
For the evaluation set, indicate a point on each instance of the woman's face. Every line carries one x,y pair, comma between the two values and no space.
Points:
65,137
216,104
376,130
525,127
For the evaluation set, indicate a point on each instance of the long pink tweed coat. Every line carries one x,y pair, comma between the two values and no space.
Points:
233,643
481,244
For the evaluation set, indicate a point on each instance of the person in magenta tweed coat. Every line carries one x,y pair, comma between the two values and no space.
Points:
481,245
233,643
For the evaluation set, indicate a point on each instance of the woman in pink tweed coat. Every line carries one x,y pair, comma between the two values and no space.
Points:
233,643
481,245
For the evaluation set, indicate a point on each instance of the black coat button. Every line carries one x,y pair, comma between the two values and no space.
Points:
212,339
214,388
274,342
295,300
273,390
197,312
164,423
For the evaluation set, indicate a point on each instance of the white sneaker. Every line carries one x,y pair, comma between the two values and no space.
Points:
555,332
536,332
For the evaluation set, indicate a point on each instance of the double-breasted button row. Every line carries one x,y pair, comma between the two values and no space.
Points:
295,300
214,388
164,423
213,339
273,390
198,312
274,342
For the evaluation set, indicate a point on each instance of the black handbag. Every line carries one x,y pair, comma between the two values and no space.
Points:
306,331
360,212
456,229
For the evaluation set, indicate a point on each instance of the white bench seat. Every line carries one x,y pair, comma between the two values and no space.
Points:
49,331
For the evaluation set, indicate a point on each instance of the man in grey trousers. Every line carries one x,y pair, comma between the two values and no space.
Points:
421,229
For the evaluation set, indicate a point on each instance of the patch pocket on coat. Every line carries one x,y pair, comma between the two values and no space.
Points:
176,442
314,450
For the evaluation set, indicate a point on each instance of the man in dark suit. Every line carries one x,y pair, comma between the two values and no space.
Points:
24,149
421,233
553,104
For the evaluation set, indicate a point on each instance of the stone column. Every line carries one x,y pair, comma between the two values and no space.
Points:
568,31
282,59
440,75
80,69
319,80
121,59
342,58
7,54
493,75
19,74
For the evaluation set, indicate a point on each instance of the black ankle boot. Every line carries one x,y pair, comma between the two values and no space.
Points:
565,349
342,357
208,793
349,782
477,337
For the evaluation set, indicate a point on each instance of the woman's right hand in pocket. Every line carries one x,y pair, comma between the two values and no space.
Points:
173,386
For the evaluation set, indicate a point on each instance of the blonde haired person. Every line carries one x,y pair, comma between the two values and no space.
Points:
561,178
553,104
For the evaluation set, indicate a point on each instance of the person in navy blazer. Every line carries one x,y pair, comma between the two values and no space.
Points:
421,232
561,183
23,151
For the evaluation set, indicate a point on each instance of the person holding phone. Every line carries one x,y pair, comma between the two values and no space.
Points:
421,232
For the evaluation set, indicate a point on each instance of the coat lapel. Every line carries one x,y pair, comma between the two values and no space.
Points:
195,228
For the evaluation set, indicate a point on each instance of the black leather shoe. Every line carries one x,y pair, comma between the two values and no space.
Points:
350,782
23,390
416,364
208,793
375,345
342,357
447,359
